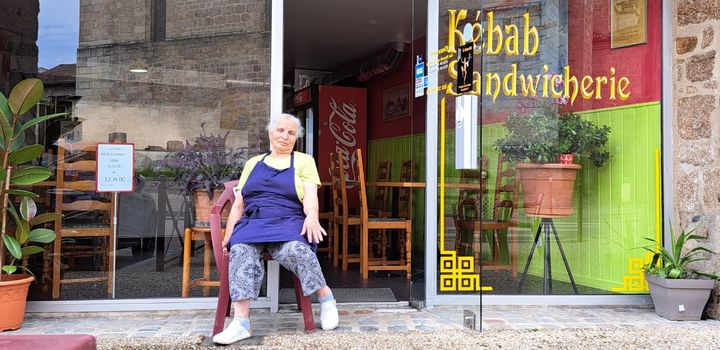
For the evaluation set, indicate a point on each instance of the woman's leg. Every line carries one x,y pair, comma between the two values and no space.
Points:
299,258
246,272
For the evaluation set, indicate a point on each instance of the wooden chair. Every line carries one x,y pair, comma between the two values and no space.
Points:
405,194
85,230
379,242
328,248
222,260
382,224
342,220
469,220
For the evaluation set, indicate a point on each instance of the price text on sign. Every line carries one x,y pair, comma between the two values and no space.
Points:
115,162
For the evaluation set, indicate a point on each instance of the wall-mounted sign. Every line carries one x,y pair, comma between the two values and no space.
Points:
420,78
628,22
115,167
465,68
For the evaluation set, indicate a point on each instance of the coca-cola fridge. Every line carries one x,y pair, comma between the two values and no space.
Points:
335,118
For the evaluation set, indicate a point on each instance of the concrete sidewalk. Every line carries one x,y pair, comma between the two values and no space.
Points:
394,326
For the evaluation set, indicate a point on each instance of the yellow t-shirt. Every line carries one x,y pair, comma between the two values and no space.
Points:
305,170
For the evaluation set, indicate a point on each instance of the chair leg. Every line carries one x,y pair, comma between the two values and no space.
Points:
364,253
223,305
207,253
185,287
336,246
304,305
273,284
345,247
57,264
408,249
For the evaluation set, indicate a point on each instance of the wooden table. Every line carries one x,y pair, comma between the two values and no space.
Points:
397,185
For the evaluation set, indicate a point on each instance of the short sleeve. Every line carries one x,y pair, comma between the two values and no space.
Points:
308,170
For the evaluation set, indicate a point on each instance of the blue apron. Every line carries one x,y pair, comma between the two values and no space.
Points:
273,212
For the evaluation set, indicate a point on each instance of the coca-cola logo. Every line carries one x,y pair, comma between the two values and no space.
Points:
342,122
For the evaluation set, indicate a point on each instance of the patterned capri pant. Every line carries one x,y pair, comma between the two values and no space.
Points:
246,268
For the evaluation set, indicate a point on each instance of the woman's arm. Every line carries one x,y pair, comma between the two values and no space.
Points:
236,212
312,227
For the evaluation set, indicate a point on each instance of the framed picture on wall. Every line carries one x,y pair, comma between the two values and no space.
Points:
396,102
628,23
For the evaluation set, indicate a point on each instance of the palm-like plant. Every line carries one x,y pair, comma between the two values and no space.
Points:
675,264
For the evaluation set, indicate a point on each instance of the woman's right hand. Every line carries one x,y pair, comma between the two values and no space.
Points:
225,244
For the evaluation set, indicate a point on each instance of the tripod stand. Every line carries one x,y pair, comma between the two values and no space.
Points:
546,224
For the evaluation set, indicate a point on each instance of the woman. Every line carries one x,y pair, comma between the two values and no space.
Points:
275,210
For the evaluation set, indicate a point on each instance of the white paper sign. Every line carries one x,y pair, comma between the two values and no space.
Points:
115,162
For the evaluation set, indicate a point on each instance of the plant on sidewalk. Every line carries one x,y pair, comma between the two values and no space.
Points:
674,263
19,236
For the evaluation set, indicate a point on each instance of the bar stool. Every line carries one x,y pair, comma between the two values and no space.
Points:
197,234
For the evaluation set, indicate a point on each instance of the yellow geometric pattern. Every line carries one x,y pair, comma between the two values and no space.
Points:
635,281
457,273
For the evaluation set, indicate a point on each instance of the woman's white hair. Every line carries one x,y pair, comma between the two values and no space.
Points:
273,121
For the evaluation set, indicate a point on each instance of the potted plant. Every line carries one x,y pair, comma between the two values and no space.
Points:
676,288
21,227
541,137
203,166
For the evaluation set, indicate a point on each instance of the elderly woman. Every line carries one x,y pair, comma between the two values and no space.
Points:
276,210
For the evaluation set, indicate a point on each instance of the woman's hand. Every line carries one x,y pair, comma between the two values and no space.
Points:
313,230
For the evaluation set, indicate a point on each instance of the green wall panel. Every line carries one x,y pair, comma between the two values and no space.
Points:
615,204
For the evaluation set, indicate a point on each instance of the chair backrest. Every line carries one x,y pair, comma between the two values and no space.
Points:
226,198
360,171
76,180
339,186
405,194
381,193
506,189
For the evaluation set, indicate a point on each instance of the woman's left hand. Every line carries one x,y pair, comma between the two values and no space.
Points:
313,230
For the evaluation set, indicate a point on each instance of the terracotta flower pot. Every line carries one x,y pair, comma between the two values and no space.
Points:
203,206
548,188
13,297
566,158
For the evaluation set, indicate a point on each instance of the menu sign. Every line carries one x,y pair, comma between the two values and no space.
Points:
115,167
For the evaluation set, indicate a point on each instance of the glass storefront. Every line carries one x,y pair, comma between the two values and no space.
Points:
536,81
460,97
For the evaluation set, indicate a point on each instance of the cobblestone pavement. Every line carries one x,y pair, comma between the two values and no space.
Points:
158,326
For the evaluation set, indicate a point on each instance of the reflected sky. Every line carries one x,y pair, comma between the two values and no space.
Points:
58,32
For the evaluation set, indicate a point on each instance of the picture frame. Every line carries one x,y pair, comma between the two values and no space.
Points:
396,102
628,23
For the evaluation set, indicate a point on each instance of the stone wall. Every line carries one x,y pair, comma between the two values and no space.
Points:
187,18
220,78
696,127
110,21
18,33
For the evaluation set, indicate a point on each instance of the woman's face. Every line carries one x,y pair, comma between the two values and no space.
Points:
283,136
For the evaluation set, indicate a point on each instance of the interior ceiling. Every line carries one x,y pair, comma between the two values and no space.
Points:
330,34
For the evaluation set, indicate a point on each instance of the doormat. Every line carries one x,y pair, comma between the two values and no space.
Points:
345,295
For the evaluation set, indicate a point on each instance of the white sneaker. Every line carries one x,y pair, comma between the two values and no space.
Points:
329,315
233,333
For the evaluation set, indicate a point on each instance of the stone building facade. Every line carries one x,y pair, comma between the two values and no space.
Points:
18,33
207,61
696,124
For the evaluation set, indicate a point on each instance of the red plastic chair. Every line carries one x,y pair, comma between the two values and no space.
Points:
222,259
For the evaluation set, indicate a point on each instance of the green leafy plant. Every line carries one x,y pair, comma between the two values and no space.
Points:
545,133
18,237
675,264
